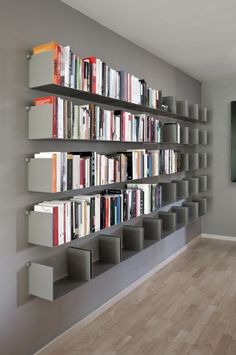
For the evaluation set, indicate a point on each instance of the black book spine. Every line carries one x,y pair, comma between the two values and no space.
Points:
142,202
92,215
129,166
124,206
112,208
103,79
69,174
92,169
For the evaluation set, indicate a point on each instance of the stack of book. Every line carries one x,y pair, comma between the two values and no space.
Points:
85,214
71,171
93,75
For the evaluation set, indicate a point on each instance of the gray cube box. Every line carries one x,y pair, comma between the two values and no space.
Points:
192,210
109,249
152,228
184,161
40,177
193,185
194,111
41,281
182,187
181,214
41,122
168,221
203,137
202,160
41,69
202,205
182,108
133,237
193,161
203,114
184,135
194,136
169,192
169,133
170,101
40,228
202,183
79,263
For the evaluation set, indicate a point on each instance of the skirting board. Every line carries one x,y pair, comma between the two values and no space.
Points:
92,316
218,237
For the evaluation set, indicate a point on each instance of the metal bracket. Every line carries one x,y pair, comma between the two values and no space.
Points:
28,57
28,264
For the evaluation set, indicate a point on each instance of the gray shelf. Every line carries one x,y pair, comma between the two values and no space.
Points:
169,221
41,78
170,101
202,205
203,183
203,115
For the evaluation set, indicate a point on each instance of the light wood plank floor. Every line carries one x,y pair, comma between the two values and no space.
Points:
189,307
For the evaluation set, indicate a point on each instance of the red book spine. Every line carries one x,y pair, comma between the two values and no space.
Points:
107,212
82,175
55,226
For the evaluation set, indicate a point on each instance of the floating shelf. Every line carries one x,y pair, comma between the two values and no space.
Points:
41,78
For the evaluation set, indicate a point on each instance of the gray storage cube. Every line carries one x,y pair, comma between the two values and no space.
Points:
202,183
202,205
169,133
182,187
41,71
194,111
184,160
170,101
181,214
193,161
169,192
40,228
133,237
182,108
204,114
193,136
202,160
193,185
168,221
40,175
109,249
79,263
184,135
203,137
41,122
193,213
152,228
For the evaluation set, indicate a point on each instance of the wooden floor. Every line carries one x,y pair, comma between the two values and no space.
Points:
189,307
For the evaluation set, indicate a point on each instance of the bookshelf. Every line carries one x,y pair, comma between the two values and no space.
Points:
180,131
112,250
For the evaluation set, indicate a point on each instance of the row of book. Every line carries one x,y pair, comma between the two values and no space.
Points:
93,75
72,171
70,121
85,214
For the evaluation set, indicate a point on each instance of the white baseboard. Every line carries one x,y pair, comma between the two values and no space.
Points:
92,316
218,237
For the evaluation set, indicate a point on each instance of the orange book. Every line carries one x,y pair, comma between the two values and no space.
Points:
54,173
53,101
56,49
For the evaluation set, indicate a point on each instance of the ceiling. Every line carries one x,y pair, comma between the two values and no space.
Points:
196,36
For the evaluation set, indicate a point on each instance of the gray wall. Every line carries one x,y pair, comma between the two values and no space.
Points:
26,323
217,95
